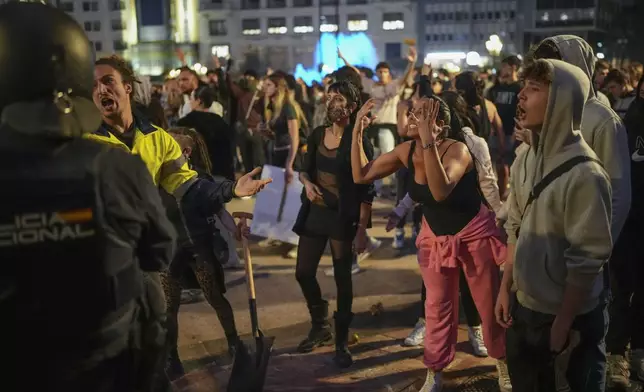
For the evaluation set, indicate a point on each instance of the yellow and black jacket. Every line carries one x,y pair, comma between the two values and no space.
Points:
164,160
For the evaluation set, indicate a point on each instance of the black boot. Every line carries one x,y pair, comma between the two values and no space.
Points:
320,333
342,356
174,368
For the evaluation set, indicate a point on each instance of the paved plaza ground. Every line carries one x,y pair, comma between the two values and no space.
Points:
390,278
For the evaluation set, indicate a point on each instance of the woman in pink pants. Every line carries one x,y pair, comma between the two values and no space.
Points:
458,230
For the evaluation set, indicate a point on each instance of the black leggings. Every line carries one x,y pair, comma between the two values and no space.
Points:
309,253
469,308
209,274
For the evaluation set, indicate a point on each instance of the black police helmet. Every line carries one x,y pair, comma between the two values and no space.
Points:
44,52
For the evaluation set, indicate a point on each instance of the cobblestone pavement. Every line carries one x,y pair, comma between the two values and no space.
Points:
389,277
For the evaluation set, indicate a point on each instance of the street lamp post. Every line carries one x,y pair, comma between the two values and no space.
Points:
494,47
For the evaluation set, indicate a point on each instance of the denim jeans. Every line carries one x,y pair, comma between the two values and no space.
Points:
384,142
531,363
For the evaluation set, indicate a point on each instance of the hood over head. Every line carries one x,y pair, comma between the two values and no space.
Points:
574,50
566,100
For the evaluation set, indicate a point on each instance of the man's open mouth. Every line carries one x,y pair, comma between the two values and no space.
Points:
520,112
108,103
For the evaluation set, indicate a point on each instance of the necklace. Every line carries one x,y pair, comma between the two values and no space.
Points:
334,135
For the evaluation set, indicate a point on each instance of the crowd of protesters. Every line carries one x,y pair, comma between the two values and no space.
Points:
277,119
525,186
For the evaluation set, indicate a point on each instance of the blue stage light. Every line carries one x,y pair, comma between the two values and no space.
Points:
357,48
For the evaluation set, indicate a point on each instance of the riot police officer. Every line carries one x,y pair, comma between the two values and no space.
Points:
80,222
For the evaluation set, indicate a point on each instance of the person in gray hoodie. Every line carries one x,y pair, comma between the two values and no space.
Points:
558,241
601,127
604,131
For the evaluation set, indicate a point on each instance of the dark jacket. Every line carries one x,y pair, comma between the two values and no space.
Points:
219,138
351,194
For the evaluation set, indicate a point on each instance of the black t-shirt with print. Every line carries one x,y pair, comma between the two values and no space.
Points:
506,98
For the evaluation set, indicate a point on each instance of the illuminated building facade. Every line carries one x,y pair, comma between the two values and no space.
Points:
305,34
450,29
596,21
149,33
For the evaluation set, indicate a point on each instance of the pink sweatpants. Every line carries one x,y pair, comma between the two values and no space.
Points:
441,306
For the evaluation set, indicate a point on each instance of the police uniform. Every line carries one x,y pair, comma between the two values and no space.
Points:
79,223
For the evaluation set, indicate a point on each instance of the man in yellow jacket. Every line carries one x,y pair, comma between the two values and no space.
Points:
113,87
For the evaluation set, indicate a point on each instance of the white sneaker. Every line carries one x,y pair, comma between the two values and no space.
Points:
372,246
399,239
637,364
475,335
505,385
355,268
269,243
433,382
292,254
417,336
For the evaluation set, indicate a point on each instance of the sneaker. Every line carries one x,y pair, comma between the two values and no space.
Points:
372,246
399,239
269,243
417,335
234,263
618,372
355,268
637,364
475,335
505,385
291,254
433,382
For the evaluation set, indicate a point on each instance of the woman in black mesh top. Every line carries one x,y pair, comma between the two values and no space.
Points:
335,210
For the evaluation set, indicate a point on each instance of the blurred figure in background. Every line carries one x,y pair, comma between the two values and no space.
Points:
622,93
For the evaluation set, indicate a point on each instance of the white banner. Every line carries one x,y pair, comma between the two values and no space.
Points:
277,206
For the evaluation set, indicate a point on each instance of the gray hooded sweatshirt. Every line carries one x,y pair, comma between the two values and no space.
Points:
602,129
565,235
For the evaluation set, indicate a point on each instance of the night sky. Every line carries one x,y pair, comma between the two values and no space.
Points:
151,12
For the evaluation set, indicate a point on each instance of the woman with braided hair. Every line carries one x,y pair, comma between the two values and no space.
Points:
199,252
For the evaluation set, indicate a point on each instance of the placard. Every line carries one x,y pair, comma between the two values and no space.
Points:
277,206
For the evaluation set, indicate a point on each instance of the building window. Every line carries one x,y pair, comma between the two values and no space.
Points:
217,27
67,6
329,23
329,2
118,25
251,27
497,15
220,51
119,45
393,21
92,26
276,4
118,5
277,26
303,24
250,4
356,2
357,22
302,3
98,46
90,6
393,51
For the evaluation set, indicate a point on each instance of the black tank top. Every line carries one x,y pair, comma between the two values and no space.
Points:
451,215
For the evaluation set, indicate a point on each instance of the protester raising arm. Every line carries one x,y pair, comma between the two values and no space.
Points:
363,171
442,178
